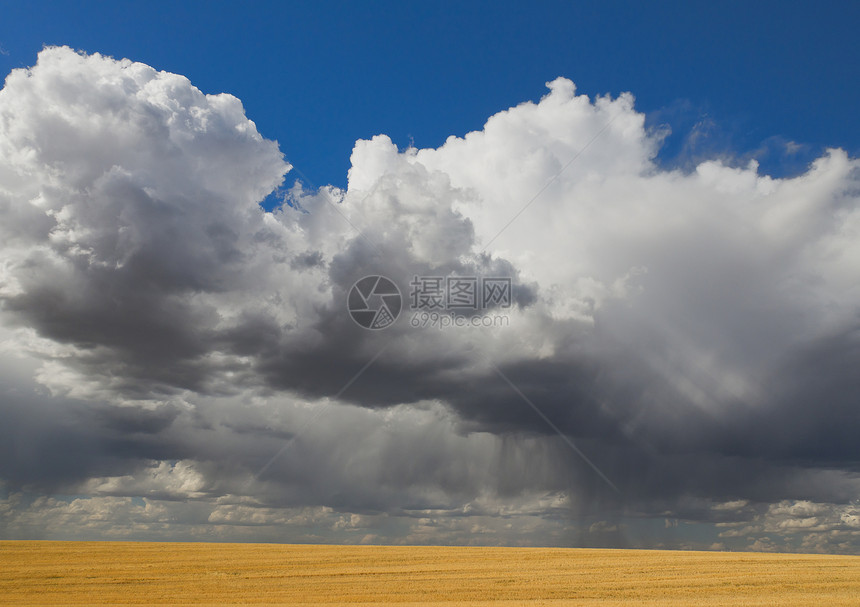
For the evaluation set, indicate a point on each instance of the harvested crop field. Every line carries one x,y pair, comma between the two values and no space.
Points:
201,573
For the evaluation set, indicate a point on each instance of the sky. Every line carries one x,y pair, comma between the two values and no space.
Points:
619,253
318,76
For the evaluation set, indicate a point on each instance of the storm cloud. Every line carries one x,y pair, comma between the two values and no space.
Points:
681,344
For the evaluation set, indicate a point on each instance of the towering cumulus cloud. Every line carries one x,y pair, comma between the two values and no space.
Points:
129,201
681,347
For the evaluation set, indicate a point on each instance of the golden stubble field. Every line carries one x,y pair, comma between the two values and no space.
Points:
187,573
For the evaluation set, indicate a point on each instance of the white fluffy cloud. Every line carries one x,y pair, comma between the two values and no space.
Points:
800,525
669,321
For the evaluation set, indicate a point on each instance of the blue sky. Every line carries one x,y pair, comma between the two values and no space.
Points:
178,363
318,76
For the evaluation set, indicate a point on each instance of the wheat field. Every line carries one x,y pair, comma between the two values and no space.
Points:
145,573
